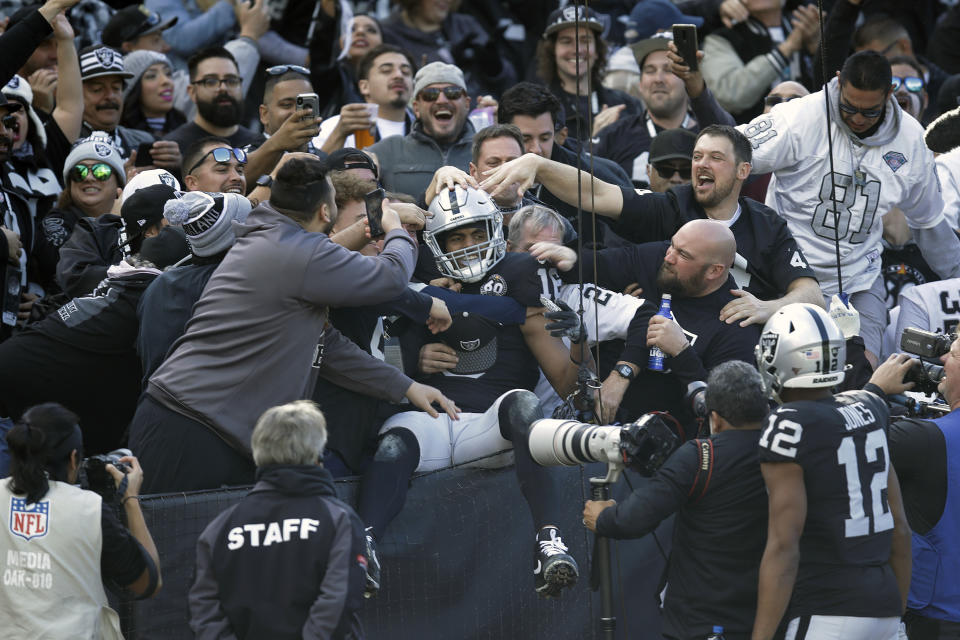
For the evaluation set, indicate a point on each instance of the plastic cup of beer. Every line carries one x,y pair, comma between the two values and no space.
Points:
365,137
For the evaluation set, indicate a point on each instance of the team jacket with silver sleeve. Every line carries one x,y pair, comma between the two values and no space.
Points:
259,335
890,168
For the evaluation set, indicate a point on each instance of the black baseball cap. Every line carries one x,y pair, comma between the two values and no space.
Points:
132,22
474,338
570,16
144,208
672,144
350,158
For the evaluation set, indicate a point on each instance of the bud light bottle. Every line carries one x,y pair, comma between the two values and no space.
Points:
717,633
655,363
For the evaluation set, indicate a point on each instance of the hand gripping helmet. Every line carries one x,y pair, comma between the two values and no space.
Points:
468,207
800,348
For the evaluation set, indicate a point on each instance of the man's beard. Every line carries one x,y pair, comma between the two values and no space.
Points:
720,191
669,282
221,115
667,109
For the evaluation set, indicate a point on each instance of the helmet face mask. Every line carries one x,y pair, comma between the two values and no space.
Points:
470,208
800,348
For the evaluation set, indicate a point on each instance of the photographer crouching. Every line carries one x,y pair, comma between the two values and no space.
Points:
715,487
926,455
59,543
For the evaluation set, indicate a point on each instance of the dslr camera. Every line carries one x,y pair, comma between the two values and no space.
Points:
642,446
95,477
928,345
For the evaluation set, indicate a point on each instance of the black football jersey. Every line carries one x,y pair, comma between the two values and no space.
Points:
515,366
841,444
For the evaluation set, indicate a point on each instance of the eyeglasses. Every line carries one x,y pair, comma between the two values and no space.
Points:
430,94
9,121
222,154
772,100
281,69
666,171
913,84
851,110
100,171
213,82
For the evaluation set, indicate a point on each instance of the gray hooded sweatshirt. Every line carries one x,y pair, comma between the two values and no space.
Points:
259,334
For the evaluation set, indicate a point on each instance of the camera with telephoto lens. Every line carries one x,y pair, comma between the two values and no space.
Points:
95,477
642,446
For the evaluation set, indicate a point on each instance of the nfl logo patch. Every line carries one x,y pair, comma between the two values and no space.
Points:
894,159
470,345
14,82
102,150
29,520
167,179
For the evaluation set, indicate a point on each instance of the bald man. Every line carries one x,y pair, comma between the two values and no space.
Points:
784,92
694,267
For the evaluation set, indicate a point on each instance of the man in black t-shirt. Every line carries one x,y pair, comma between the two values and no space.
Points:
489,370
838,537
694,268
769,268
215,88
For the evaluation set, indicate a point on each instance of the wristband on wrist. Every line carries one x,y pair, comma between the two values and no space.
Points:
125,498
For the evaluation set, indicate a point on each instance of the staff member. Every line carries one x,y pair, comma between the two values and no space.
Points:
250,580
60,542
721,523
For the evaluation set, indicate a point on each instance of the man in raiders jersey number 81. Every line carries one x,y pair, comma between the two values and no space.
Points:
490,379
837,535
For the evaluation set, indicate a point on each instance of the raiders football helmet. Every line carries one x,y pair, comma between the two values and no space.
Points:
468,207
801,348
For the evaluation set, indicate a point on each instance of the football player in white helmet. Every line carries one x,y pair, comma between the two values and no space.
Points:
837,560
490,371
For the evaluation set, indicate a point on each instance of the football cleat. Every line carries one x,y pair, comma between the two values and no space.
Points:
554,568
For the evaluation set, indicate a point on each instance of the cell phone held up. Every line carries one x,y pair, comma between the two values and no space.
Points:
374,202
685,39
144,156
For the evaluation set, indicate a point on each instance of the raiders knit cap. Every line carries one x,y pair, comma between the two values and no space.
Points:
97,61
147,178
97,146
438,73
136,64
20,89
207,219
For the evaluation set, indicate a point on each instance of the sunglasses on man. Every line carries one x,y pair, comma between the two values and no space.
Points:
430,94
280,69
666,171
222,154
100,171
851,110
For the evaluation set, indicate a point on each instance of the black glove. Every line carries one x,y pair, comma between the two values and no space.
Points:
565,323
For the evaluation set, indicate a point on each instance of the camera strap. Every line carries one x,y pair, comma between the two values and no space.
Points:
701,481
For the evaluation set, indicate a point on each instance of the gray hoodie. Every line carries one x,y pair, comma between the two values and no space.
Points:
259,334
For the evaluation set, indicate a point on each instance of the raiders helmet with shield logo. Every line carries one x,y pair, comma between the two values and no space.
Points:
471,208
801,347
